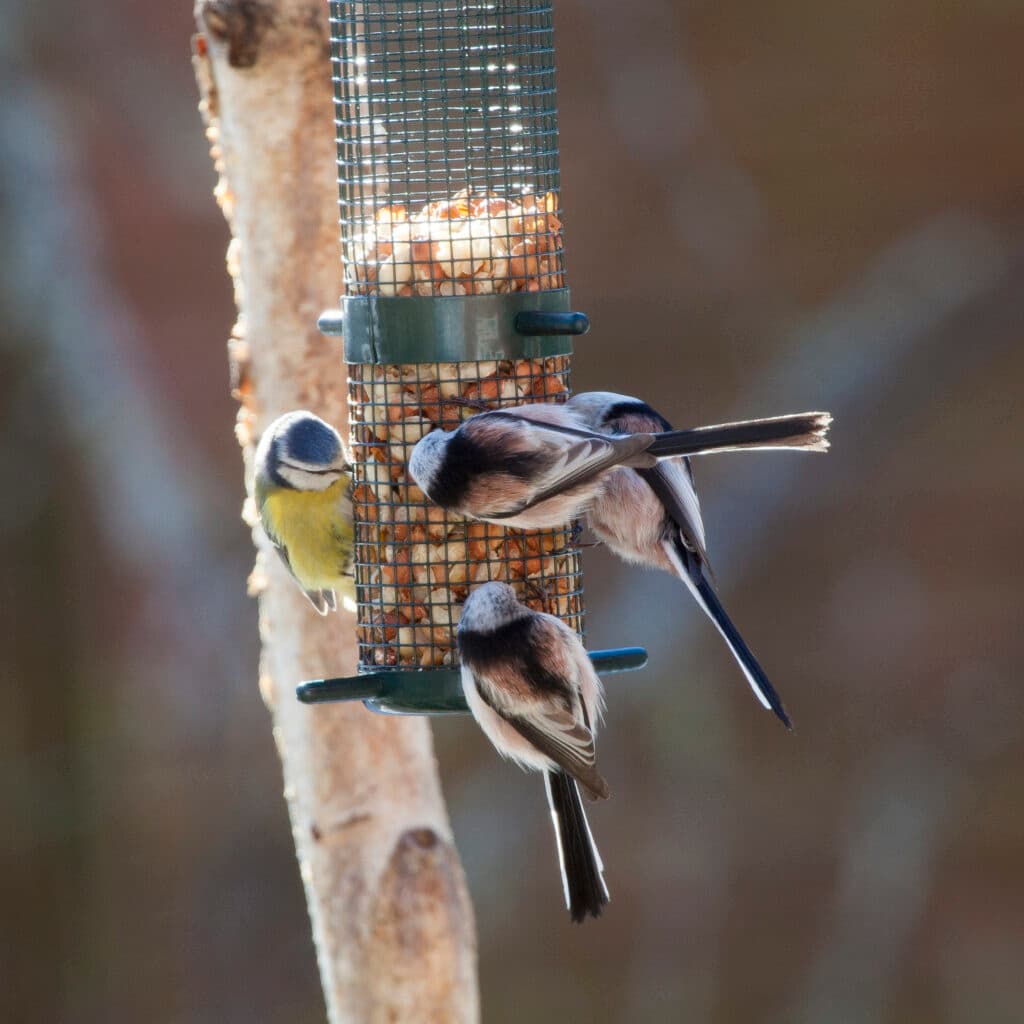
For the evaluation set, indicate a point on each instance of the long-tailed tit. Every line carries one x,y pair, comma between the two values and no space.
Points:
540,466
651,515
533,691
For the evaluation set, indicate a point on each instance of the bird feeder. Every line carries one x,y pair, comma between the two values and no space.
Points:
455,302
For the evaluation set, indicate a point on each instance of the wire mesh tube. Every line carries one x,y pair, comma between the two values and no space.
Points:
415,563
447,147
448,185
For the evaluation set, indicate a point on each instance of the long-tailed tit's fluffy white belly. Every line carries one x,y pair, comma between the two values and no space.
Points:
507,741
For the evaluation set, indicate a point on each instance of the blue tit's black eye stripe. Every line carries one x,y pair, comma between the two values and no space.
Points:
273,466
326,471
311,441
634,408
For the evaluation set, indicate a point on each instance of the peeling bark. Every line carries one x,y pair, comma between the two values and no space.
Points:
391,917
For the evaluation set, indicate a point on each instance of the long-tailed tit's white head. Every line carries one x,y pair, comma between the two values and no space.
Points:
534,693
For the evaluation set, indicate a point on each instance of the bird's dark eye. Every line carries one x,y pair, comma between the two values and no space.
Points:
313,442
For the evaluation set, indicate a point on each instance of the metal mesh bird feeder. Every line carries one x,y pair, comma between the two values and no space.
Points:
455,302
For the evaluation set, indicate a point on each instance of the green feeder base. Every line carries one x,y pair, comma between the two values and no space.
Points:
432,691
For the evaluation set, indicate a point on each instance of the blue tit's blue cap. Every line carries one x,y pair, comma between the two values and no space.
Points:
309,439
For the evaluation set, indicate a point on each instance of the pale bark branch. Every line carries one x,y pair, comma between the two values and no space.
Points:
392,922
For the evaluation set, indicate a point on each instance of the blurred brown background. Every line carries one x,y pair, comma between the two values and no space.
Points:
769,207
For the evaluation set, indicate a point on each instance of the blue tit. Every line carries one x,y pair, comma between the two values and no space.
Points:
303,491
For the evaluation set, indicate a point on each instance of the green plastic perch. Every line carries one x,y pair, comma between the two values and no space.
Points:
432,691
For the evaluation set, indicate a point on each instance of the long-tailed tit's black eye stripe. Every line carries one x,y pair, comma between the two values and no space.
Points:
466,460
637,408
515,643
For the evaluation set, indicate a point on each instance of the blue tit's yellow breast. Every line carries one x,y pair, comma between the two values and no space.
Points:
316,529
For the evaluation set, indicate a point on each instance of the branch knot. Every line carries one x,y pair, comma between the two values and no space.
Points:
241,24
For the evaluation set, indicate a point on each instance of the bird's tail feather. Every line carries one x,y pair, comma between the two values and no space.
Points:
582,868
322,600
806,431
692,574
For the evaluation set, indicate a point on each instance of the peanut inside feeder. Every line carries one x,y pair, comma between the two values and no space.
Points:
468,245
415,563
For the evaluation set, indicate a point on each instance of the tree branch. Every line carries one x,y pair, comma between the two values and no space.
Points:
391,916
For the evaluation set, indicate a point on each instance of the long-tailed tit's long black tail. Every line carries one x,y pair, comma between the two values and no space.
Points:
692,574
805,431
582,868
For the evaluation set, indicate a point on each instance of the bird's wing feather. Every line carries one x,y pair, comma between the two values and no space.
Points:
548,713
322,600
672,482
281,549
558,735
576,463
591,690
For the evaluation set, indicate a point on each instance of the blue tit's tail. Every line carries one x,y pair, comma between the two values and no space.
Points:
806,431
582,869
691,571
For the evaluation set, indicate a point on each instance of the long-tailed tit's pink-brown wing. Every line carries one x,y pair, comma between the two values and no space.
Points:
528,674
672,482
533,467
651,515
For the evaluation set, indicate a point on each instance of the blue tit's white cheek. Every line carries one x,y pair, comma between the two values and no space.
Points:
307,480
